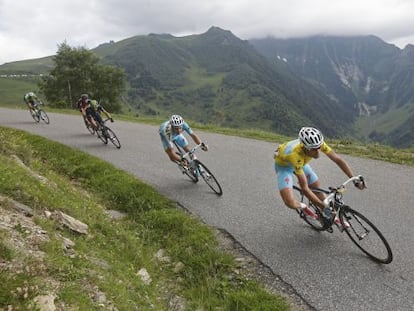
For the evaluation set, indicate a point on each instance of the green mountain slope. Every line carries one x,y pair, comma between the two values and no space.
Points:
217,78
367,77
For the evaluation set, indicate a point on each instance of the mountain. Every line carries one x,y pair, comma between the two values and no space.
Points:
357,87
369,78
218,78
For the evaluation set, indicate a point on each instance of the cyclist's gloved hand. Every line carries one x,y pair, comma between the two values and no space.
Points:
112,120
204,147
276,152
360,184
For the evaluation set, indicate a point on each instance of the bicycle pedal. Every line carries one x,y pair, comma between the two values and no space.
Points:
330,230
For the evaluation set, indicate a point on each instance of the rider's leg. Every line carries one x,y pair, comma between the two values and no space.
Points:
313,182
169,149
29,104
89,115
183,143
98,118
85,119
285,183
93,122
285,178
172,155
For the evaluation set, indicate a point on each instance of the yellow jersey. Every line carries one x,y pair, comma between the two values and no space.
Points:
292,154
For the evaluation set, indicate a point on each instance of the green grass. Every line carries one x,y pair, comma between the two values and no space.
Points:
35,66
199,77
107,259
12,90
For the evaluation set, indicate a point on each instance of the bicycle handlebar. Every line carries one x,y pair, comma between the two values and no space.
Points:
107,119
331,195
192,150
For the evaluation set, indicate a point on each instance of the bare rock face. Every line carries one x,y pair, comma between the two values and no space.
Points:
70,222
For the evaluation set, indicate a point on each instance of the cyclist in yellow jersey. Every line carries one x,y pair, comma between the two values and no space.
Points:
293,157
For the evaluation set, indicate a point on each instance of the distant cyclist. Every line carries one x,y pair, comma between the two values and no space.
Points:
172,130
31,101
292,158
91,111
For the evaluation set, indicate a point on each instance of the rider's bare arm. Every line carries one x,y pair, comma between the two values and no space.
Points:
196,139
343,165
303,183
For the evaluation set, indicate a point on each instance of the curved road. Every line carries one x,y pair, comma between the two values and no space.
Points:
326,270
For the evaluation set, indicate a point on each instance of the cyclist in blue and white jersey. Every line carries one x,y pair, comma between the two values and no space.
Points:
172,130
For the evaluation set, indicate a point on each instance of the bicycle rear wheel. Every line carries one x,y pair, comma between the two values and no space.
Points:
366,236
113,138
35,115
317,224
90,128
208,177
43,116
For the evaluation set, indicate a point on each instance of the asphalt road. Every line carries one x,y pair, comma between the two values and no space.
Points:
326,270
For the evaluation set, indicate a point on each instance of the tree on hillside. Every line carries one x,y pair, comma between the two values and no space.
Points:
78,71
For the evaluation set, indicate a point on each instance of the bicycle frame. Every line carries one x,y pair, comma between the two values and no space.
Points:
189,154
188,157
106,134
362,232
336,194
38,113
197,169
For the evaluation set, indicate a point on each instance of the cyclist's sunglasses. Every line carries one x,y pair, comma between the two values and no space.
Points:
314,148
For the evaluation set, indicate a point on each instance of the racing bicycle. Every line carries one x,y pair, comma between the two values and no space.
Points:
194,168
362,232
105,134
38,113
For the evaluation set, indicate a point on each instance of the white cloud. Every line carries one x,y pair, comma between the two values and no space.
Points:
31,29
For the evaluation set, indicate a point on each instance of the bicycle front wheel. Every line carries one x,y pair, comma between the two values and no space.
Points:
43,116
208,177
365,235
113,138
101,132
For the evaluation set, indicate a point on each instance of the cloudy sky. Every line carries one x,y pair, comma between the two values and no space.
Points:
35,28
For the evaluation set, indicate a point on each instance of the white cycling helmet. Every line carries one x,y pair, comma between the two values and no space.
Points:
310,137
176,120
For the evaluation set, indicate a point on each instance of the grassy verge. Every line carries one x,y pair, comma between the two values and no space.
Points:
188,271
